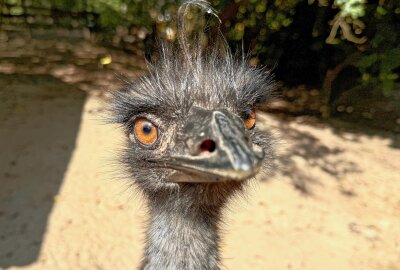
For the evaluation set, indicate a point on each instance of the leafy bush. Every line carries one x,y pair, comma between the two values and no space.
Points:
305,40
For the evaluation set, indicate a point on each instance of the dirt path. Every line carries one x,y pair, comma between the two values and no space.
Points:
349,219
332,201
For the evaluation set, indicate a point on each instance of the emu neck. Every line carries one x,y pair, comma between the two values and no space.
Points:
182,234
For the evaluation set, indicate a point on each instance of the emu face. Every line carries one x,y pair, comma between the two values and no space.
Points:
200,146
212,146
193,120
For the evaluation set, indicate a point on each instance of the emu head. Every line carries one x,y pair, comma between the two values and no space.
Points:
191,121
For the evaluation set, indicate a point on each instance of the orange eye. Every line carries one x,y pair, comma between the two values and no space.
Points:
145,131
249,119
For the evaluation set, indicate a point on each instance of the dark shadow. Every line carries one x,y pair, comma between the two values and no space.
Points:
304,150
341,127
39,121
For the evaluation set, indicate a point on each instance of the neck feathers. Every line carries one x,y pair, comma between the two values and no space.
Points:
183,230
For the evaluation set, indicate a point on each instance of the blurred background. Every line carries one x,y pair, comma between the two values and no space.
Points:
332,198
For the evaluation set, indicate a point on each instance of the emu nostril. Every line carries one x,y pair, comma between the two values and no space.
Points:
207,146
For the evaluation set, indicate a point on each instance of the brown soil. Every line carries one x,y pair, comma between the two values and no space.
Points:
332,200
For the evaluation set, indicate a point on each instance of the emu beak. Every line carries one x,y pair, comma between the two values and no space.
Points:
215,148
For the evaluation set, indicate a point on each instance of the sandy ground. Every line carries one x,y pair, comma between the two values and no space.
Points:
331,202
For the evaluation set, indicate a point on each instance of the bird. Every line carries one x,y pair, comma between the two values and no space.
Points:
192,143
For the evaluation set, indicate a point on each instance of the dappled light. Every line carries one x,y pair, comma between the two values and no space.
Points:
330,199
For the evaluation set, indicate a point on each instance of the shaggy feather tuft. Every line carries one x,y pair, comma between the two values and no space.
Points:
188,74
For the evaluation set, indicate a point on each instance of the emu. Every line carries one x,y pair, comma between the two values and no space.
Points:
192,143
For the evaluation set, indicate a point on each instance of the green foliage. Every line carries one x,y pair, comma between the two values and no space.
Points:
109,10
292,33
367,61
385,64
380,63
351,8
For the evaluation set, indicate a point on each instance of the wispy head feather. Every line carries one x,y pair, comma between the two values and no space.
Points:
190,73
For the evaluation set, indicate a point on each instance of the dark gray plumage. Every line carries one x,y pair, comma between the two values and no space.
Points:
191,97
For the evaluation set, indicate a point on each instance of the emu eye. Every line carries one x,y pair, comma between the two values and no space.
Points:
249,118
145,131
